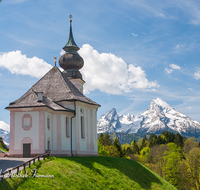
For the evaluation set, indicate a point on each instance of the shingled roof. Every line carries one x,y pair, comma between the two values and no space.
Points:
56,87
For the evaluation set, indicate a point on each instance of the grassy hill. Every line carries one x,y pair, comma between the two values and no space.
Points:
89,173
3,145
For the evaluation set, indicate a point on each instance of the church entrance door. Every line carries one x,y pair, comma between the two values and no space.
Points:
26,150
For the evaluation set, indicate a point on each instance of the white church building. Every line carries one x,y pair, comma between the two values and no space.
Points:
54,115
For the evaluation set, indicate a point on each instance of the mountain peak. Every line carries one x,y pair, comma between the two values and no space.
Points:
161,103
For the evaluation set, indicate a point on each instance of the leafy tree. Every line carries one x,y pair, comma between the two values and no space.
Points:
145,155
113,152
193,160
101,150
157,157
189,144
172,159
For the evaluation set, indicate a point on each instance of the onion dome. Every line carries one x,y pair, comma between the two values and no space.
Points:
71,61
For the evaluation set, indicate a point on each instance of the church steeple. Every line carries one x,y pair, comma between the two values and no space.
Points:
71,61
71,44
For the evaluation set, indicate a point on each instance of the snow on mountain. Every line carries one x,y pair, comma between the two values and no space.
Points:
158,117
112,122
5,132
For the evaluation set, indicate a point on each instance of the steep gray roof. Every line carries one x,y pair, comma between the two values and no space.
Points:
55,87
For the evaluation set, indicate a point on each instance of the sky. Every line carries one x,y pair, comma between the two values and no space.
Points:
133,51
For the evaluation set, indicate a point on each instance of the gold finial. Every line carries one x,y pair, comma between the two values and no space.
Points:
70,16
55,60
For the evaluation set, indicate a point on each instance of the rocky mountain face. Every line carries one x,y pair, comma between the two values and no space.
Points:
5,132
158,117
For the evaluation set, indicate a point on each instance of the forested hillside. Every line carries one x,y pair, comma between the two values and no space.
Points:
172,156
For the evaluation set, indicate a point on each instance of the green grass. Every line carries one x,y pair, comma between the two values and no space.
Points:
89,173
2,148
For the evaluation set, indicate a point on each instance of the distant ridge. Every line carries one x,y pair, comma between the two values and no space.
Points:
158,117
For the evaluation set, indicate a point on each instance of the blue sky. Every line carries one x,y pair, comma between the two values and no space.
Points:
134,51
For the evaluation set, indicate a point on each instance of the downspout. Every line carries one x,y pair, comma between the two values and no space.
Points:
71,125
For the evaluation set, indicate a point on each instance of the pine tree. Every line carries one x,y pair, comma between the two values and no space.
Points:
118,146
135,147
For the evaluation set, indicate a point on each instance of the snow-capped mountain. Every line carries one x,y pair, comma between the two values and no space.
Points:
158,117
5,132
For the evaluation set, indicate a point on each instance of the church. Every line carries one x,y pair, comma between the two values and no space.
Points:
53,115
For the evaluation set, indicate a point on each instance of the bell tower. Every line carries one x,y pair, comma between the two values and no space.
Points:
72,62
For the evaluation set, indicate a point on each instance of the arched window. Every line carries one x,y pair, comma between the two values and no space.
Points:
48,123
82,127
67,126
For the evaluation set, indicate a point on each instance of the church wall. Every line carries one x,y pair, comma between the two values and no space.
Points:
66,142
67,104
74,133
20,133
54,130
88,144
48,137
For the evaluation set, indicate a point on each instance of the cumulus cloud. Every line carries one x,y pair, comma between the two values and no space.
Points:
111,74
173,66
197,75
17,63
135,35
180,46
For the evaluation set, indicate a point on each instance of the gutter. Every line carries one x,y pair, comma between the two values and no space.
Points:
71,125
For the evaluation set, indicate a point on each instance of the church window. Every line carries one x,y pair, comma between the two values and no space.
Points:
67,127
48,123
26,122
48,145
82,127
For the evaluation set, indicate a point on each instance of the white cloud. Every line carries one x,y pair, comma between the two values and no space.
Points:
168,70
173,66
17,63
111,74
134,34
166,34
144,33
180,46
190,88
62,52
197,75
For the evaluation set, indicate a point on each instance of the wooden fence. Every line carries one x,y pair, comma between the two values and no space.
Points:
23,166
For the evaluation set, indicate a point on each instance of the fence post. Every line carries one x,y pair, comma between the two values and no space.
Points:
24,167
10,173
29,163
17,170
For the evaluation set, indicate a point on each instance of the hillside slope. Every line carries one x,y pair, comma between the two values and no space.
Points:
90,173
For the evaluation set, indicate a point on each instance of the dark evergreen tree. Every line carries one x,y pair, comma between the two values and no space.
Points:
105,139
178,140
118,146
135,147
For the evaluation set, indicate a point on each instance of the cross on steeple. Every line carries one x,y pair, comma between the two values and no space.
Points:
70,16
